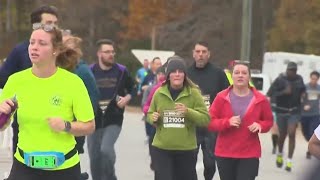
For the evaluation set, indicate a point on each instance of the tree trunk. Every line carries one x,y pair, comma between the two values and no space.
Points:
8,16
91,33
153,38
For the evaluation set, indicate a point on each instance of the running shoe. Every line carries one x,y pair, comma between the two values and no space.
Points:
279,161
288,166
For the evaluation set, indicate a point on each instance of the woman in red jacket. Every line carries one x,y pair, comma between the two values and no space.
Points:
238,114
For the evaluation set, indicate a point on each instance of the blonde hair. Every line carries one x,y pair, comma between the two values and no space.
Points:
75,43
70,53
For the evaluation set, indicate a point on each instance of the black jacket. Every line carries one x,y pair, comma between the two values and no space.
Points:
287,103
210,79
113,114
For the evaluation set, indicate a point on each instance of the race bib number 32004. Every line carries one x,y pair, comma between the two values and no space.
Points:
173,119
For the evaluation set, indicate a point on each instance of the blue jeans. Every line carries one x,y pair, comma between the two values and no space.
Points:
102,154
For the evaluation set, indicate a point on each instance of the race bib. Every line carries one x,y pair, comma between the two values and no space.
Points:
173,119
104,105
313,95
206,99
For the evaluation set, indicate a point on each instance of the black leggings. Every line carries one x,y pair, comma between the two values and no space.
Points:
174,164
238,169
20,171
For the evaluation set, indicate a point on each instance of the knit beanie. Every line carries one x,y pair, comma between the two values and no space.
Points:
175,63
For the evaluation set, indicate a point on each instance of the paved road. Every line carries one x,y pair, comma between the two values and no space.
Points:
133,160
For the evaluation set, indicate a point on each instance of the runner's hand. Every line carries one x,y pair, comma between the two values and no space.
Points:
181,108
306,107
155,116
235,121
255,127
268,98
123,101
56,124
5,107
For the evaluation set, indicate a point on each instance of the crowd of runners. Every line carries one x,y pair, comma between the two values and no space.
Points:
186,109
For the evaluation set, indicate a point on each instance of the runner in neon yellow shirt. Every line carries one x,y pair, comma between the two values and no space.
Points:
49,99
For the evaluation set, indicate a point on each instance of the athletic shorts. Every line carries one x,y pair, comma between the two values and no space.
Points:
284,119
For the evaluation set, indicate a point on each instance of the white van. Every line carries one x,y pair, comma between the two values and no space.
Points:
275,63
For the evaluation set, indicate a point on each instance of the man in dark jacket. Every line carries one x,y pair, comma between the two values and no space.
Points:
115,86
19,60
211,81
287,90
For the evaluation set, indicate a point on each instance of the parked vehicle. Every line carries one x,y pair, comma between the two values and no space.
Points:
260,81
275,63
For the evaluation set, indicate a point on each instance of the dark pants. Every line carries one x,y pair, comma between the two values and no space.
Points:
238,169
308,125
206,141
174,164
80,140
15,132
150,140
150,131
20,171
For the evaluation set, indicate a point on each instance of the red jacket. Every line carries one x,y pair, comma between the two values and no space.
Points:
239,142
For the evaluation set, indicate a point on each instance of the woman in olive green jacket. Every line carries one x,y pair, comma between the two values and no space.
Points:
176,109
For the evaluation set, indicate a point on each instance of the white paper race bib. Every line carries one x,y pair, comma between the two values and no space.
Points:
173,119
313,95
206,99
104,104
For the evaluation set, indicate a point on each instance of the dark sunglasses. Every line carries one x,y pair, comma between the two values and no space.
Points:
45,27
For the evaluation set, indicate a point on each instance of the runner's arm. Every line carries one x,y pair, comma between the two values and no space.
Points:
314,146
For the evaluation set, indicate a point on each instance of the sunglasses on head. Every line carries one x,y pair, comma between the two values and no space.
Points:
241,62
66,32
45,27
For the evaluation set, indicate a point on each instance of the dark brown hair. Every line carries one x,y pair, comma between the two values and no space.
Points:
35,16
203,43
244,63
101,42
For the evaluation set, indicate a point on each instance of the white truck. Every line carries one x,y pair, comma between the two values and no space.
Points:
275,63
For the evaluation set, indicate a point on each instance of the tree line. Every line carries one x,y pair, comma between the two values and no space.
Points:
290,25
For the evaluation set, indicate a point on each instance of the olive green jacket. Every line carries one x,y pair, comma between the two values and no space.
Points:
184,136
